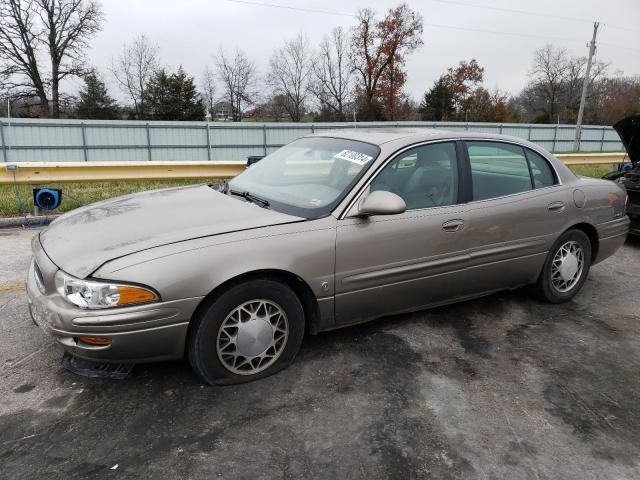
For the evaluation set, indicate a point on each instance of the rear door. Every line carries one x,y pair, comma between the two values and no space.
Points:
516,210
393,263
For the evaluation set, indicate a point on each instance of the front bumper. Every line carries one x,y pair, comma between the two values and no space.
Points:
143,333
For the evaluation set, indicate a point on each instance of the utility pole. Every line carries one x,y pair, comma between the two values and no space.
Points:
585,85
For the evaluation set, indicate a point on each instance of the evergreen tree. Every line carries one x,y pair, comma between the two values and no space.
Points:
437,103
94,100
173,96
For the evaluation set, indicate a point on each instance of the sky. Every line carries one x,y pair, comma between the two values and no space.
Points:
189,32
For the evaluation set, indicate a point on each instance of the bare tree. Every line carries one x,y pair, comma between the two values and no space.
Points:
31,30
333,74
550,68
237,75
208,89
133,70
20,45
572,91
289,73
553,91
619,97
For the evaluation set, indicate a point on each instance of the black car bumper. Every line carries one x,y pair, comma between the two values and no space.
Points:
634,211
634,226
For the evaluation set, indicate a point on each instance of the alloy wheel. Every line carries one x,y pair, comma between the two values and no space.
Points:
567,266
252,337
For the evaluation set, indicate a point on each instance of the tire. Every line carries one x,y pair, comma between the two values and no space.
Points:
230,341
556,285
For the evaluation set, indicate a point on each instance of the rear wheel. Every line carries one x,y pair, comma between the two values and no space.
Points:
250,331
566,267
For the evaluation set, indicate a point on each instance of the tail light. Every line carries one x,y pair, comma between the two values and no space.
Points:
626,202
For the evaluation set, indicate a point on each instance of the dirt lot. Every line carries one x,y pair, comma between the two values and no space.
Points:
500,388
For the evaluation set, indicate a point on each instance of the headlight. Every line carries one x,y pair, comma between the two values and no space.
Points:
95,295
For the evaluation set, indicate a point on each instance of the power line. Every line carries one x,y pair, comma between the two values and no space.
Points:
510,10
449,2
290,7
495,32
623,47
525,35
526,12
451,27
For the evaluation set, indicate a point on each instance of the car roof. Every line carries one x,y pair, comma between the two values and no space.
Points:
380,136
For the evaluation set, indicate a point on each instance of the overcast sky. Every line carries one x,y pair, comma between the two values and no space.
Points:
188,32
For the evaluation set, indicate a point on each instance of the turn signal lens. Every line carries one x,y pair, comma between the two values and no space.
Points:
130,295
103,342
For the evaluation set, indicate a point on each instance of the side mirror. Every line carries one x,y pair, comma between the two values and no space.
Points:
382,202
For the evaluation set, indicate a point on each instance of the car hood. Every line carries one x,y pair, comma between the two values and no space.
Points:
629,130
82,240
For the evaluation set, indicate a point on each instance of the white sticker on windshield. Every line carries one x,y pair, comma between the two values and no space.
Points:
354,157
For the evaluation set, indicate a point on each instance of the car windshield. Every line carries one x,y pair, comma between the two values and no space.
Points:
308,177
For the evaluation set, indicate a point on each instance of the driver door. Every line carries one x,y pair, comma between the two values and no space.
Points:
393,263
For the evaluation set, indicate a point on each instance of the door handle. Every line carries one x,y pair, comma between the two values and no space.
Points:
453,225
556,206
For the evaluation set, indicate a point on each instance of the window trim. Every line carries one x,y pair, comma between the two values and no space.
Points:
526,159
392,157
554,172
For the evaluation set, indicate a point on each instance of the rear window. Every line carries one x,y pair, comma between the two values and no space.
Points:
541,171
497,169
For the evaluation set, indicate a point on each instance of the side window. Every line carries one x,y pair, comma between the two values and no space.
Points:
541,171
425,176
497,169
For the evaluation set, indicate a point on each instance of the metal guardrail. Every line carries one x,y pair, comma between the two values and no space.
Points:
612,158
48,140
38,173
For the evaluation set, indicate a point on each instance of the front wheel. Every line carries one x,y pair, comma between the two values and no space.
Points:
566,267
250,331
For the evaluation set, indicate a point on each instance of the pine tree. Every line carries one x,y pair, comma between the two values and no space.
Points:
173,96
437,103
94,100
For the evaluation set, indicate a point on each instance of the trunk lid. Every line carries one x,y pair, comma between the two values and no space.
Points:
629,130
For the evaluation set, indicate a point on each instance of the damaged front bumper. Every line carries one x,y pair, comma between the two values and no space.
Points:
144,333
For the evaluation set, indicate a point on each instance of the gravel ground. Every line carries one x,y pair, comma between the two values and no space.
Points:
504,387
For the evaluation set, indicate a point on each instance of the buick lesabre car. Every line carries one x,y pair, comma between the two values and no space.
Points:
328,231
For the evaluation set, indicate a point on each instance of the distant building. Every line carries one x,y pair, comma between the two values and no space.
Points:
28,107
270,111
222,112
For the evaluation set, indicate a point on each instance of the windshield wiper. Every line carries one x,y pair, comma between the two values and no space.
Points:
250,197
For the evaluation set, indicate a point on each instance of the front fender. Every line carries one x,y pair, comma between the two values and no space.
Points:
196,267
